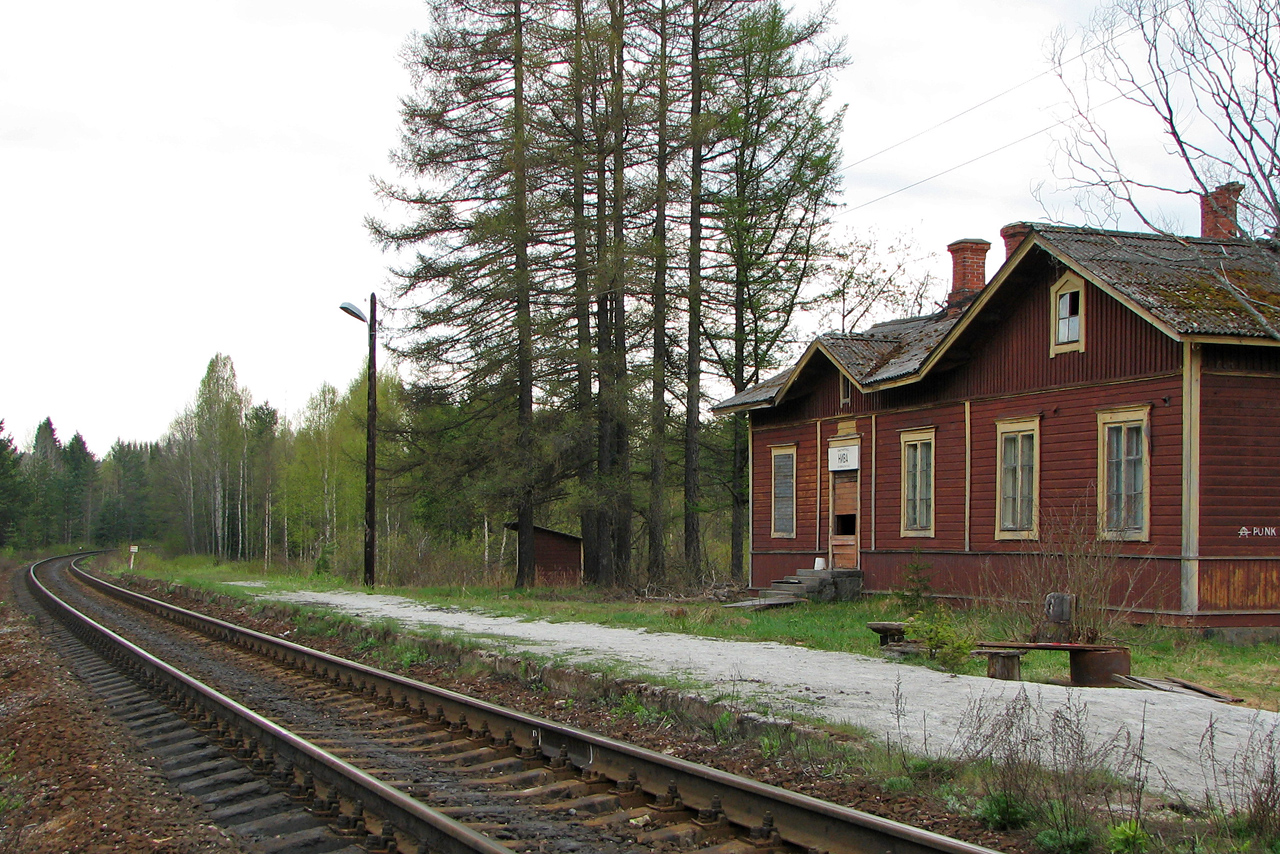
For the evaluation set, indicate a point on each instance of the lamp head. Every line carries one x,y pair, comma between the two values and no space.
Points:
354,311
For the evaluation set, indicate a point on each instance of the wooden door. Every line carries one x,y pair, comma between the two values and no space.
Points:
844,519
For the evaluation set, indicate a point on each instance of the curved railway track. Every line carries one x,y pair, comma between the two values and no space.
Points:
299,750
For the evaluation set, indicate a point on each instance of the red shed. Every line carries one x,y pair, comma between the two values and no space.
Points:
1130,380
557,557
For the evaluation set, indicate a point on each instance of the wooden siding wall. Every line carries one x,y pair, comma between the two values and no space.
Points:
1005,371
557,559
1149,584
1240,584
1069,460
1015,357
1222,357
1239,478
807,492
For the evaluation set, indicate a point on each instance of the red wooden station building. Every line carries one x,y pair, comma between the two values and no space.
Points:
1126,382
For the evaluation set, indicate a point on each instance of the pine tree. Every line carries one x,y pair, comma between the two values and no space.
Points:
13,490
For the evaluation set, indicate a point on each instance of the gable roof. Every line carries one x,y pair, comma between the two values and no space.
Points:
1178,280
1173,282
885,351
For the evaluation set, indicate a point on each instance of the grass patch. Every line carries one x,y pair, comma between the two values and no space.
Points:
10,798
1250,672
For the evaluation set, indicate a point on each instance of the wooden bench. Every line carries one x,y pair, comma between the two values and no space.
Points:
1092,665
889,632
1003,663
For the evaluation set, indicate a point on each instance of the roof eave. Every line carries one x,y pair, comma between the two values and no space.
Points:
1245,340
744,407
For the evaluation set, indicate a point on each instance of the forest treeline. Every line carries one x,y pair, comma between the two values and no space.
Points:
606,212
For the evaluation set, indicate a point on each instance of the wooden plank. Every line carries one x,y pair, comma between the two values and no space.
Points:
765,603
1217,695
1172,685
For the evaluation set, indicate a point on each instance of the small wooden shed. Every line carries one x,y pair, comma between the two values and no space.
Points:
557,557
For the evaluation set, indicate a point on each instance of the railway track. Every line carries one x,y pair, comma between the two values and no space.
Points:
299,750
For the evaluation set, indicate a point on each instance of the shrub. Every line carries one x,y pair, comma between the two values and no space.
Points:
1128,837
1074,841
1244,788
1002,811
898,784
1068,557
916,594
945,642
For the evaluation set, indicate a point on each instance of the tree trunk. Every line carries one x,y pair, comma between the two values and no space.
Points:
524,320
589,516
657,569
693,395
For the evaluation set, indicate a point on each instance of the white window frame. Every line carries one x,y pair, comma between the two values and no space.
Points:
1004,529
1124,419
911,482
1067,284
775,452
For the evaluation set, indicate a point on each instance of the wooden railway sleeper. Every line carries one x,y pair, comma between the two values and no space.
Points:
761,838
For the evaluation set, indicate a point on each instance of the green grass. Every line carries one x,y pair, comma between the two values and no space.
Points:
1250,672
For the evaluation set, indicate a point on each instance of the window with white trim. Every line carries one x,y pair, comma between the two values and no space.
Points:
1017,479
1124,474
917,483
1066,304
784,491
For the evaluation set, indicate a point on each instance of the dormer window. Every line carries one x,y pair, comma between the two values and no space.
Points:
1068,317
1066,302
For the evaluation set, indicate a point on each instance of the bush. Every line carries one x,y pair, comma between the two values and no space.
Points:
1075,841
1002,811
945,642
916,594
1128,837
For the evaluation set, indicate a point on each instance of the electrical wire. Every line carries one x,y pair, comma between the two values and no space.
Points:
998,96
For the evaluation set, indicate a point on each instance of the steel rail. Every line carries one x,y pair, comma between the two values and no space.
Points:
796,819
257,736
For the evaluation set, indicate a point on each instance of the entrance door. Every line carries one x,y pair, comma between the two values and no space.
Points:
844,519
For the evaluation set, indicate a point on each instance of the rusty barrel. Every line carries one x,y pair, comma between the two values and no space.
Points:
1093,668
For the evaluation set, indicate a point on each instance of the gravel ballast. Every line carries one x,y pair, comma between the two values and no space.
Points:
932,711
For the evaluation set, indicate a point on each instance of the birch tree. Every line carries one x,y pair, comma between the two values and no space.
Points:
1208,73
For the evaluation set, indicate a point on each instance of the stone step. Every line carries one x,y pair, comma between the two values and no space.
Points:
819,585
805,583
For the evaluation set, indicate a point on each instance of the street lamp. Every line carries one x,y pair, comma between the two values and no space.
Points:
370,475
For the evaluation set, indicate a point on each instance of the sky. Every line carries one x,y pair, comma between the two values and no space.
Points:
179,180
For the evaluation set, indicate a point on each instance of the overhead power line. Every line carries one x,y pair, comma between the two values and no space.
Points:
991,99
1046,129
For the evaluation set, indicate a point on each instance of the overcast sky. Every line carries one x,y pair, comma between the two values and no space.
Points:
184,179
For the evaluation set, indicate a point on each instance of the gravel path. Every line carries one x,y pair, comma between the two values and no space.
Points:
937,710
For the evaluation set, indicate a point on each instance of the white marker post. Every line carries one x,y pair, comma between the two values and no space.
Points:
133,550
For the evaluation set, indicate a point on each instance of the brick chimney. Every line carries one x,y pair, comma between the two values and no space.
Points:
1218,212
1014,233
968,268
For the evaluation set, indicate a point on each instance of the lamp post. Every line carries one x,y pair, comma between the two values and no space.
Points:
370,475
